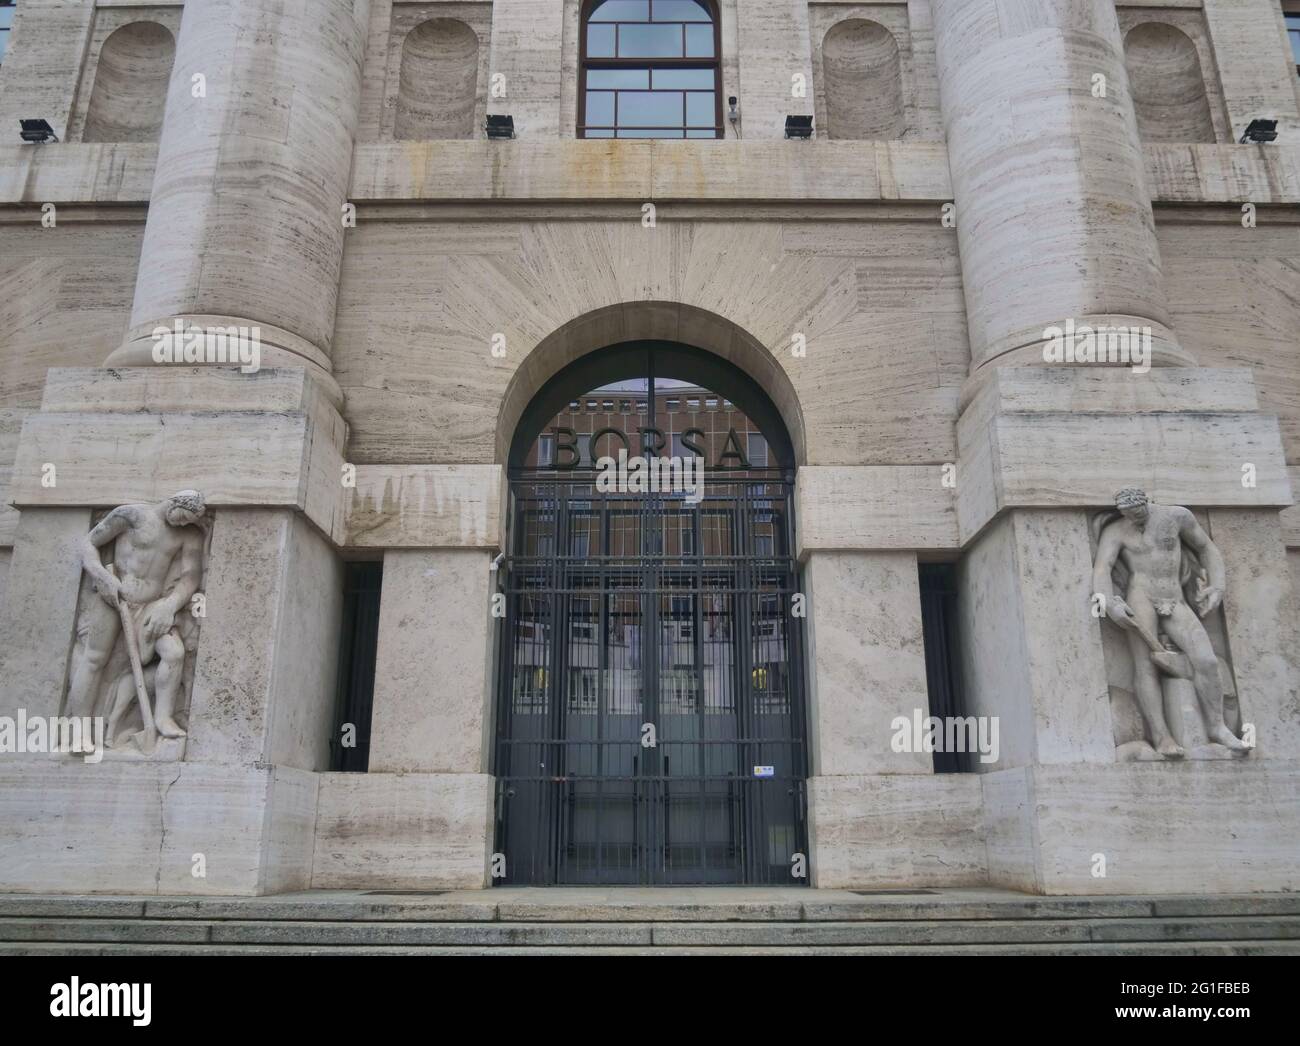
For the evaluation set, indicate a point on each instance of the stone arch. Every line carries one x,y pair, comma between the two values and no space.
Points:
863,80
438,82
649,321
129,96
1165,76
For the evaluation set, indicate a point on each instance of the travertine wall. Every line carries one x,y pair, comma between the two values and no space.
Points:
1233,296
421,300
756,240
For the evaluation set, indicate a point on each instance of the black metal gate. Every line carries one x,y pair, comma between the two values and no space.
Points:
650,720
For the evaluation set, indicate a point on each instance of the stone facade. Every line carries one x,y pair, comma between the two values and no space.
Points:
1039,176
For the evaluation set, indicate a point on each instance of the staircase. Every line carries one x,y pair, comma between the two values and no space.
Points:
723,921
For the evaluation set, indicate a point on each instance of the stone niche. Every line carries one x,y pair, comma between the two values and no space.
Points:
114,697
1181,708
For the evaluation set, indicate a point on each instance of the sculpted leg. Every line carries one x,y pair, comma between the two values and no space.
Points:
102,627
171,666
1187,631
1147,686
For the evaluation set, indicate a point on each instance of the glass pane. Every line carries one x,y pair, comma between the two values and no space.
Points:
653,41
680,11
650,109
700,79
701,134
621,11
600,41
699,41
600,134
600,108
6,17
624,132
700,111
638,79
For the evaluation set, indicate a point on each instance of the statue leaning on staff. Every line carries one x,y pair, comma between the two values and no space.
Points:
154,569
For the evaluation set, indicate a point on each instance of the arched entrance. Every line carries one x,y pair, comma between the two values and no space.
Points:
650,719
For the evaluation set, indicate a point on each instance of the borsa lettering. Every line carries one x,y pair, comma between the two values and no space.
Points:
653,442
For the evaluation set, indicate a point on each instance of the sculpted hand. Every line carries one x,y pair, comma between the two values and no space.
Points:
1210,599
109,589
157,620
1120,612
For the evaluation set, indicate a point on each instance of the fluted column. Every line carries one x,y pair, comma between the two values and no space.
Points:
245,219
1053,217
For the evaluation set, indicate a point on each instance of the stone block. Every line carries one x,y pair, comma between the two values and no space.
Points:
1191,827
896,831
140,828
843,508
866,661
403,831
432,674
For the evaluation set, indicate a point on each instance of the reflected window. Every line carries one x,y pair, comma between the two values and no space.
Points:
650,69
6,25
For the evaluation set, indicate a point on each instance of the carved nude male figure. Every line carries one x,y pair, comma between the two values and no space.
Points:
1148,539
150,541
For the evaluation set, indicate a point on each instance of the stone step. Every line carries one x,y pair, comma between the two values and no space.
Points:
491,935
802,906
1244,947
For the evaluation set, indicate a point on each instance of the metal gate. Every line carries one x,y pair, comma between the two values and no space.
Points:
650,720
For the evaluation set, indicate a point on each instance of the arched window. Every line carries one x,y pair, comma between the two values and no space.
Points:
650,69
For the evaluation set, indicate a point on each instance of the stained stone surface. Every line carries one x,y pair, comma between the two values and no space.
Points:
866,661
403,831
137,828
37,614
264,679
896,831
1026,576
431,676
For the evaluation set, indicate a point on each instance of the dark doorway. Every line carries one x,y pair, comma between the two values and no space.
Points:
650,713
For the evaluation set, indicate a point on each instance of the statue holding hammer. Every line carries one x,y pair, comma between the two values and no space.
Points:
155,568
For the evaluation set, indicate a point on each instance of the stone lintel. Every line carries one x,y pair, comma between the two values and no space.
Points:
903,507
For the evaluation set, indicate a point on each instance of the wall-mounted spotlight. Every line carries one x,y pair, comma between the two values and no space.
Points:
500,126
798,126
37,131
1259,131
